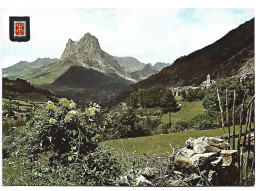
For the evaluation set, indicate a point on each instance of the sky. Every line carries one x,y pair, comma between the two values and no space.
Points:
149,35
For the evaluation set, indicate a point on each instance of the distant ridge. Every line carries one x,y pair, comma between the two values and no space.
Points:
130,64
232,55
35,64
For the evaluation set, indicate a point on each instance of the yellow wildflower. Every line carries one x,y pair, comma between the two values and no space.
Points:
70,115
52,121
73,112
90,111
64,102
49,105
97,107
72,104
54,108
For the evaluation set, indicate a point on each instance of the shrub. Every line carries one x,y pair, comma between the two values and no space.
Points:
149,111
8,124
162,129
68,140
204,121
182,125
124,122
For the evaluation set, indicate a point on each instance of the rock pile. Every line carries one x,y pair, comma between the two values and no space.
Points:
207,159
204,161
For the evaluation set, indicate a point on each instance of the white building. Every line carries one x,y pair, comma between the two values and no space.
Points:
176,91
207,83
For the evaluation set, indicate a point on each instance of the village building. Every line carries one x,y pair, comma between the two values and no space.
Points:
176,91
206,84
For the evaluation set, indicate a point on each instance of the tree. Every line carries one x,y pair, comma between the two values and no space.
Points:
211,103
156,96
168,104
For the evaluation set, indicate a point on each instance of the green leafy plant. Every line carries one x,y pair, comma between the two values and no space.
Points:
61,147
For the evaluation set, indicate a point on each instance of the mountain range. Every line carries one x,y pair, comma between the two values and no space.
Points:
87,73
232,55
108,74
24,64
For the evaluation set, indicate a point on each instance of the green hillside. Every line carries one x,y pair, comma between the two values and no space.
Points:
188,111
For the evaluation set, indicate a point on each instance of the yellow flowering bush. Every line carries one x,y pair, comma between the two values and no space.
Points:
64,102
52,121
71,114
91,111
72,105
71,137
50,106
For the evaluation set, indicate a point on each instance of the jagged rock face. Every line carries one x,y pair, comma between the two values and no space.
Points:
88,52
72,47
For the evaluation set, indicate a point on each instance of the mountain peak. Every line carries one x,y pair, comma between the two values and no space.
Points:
87,44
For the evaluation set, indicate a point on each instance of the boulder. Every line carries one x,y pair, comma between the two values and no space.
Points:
202,159
229,157
210,148
219,143
175,183
142,181
185,152
123,181
192,180
190,143
199,148
148,173
183,164
198,145
217,163
202,140
178,173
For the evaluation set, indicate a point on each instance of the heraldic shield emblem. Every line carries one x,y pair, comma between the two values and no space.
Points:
19,29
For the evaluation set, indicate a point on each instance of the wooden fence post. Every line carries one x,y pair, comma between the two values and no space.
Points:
245,134
221,111
234,121
227,117
240,132
248,142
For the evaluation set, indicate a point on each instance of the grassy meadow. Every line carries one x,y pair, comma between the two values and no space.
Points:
159,144
188,111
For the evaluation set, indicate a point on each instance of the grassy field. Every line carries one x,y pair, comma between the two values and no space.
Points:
159,144
188,111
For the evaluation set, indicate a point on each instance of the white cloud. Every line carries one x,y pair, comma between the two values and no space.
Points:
150,35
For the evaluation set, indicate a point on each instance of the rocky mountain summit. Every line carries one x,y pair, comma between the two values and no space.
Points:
86,58
88,52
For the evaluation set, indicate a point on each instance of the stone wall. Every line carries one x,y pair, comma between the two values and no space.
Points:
205,161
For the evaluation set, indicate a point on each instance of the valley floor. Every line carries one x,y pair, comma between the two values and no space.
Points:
158,144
